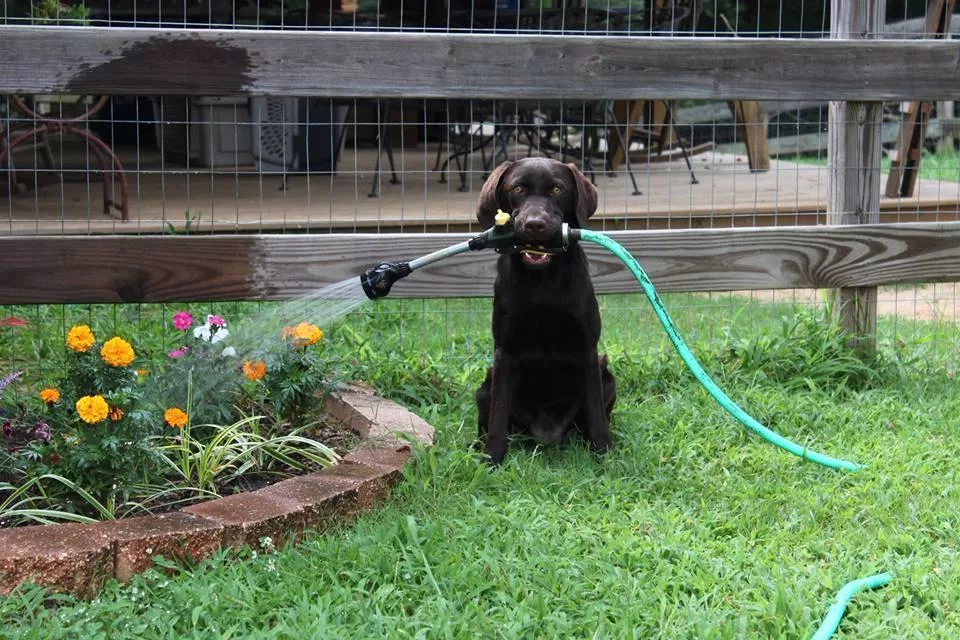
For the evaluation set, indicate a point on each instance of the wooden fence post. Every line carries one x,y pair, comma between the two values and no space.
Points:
853,153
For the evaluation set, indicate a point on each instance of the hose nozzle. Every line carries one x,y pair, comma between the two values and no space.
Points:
376,281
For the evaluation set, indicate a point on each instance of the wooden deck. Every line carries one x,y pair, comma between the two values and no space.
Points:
244,201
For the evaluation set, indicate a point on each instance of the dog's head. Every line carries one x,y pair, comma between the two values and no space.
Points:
541,194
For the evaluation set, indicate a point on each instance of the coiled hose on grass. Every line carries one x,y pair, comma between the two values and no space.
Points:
702,376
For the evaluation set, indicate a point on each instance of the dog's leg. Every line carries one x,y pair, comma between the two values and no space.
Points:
609,387
594,412
501,404
483,409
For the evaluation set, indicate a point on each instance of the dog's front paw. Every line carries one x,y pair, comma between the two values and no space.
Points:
601,444
495,455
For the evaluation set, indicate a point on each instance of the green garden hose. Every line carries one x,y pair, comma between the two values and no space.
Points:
688,358
832,620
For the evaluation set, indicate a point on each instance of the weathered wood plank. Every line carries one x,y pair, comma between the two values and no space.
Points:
97,60
853,152
283,267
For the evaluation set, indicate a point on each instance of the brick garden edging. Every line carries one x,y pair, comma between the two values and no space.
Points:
80,558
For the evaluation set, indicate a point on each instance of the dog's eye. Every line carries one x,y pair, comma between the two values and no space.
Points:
518,188
557,191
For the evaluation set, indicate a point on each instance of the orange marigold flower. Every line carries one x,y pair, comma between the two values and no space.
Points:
80,338
117,352
92,409
175,417
304,334
254,369
143,373
50,396
116,414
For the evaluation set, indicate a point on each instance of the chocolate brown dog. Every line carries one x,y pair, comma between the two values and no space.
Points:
547,379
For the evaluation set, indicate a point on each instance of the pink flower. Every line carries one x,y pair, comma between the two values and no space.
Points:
182,320
13,321
216,321
179,353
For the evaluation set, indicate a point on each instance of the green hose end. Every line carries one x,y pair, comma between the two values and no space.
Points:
833,463
831,622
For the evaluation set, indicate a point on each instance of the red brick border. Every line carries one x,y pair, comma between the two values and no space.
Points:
80,558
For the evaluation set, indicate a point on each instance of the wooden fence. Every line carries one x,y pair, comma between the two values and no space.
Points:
857,72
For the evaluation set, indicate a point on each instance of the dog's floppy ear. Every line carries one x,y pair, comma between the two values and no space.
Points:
490,195
586,195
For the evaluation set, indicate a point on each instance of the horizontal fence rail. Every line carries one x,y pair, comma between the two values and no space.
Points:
97,60
280,267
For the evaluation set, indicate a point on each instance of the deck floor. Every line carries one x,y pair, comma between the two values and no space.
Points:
242,200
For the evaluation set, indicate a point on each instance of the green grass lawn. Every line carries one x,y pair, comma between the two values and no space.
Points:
691,529
934,166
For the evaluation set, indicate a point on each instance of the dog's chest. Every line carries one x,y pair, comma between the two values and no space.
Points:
539,331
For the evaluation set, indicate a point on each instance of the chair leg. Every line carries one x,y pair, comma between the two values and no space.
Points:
625,145
436,164
683,151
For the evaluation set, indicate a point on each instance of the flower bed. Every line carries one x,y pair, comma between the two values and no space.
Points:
118,430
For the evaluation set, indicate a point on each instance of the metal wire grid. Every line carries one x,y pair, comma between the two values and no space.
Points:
226,185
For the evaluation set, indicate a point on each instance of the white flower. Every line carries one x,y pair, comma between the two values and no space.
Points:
210,333
229,352
203,332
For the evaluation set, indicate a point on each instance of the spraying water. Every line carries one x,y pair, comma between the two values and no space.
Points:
322,307
207,367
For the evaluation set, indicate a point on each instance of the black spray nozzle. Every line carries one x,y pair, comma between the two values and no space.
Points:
376,281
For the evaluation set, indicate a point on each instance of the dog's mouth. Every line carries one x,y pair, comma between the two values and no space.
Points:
535,258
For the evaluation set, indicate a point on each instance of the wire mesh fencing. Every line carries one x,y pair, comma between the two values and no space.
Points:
153,164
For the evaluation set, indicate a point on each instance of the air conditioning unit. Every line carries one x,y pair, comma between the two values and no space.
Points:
297,135
204,131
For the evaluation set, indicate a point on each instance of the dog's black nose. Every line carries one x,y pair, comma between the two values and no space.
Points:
533,226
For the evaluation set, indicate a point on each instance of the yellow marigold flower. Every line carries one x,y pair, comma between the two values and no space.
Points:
117,352
175,417
80,338
254,369
116,414
50,396
92,409
304,334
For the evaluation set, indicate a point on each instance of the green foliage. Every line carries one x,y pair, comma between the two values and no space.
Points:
297,377
104,451
203,364
45,12
236,450
106,441
807,352
189,222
